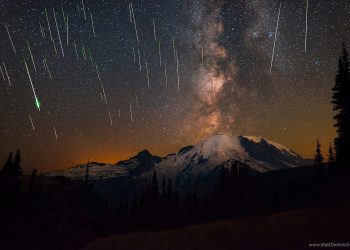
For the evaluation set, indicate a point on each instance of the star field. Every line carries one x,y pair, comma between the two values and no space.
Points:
204,71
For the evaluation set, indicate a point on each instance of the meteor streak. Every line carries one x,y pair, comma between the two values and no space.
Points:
274,43
137,103
133,51
99,78
213,87
92,25
67,29
110,118
92,62
83,8
50,33
31,121
138,52
58,31
83,51
177,73
8,32
133,17
130,15
47,67
37,103
54,129
306,25
64,16
160,55
78,9
2,73
44,64
149,86
131,117
98,73
166,76
31,55
41,30
174,49
202,54
76,50
154,31
7,75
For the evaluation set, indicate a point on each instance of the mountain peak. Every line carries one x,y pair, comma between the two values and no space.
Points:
217,150
267,143
143,153
223,142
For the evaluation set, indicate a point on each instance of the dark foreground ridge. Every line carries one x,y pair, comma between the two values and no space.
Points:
59,213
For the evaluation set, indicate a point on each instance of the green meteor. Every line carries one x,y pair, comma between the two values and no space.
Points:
37,103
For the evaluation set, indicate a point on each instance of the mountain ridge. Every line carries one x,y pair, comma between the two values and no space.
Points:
197,160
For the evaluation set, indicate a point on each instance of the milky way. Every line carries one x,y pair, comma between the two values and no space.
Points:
116,77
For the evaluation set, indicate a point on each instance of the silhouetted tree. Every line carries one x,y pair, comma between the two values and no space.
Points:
331,158
87,172
318,159
5,176
33,180
153,194
169,189
8,164
122,208
134,204
176,197
154,185
223,180
17,164
341,104
10,175
39,183
188,202
163,187
141,200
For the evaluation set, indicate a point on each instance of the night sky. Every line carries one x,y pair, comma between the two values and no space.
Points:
221,51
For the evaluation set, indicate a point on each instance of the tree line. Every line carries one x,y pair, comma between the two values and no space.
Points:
338,154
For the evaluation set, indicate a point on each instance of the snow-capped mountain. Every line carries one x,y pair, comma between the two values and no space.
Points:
199,160
134,166
96,170
193,163
142,162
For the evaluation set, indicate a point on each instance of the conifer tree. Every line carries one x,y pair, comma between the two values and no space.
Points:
141,200
318,159
87,172
11,173
8,164
163,187
154,184
331,158
33,180
169,189
17,164
154,193
341,104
